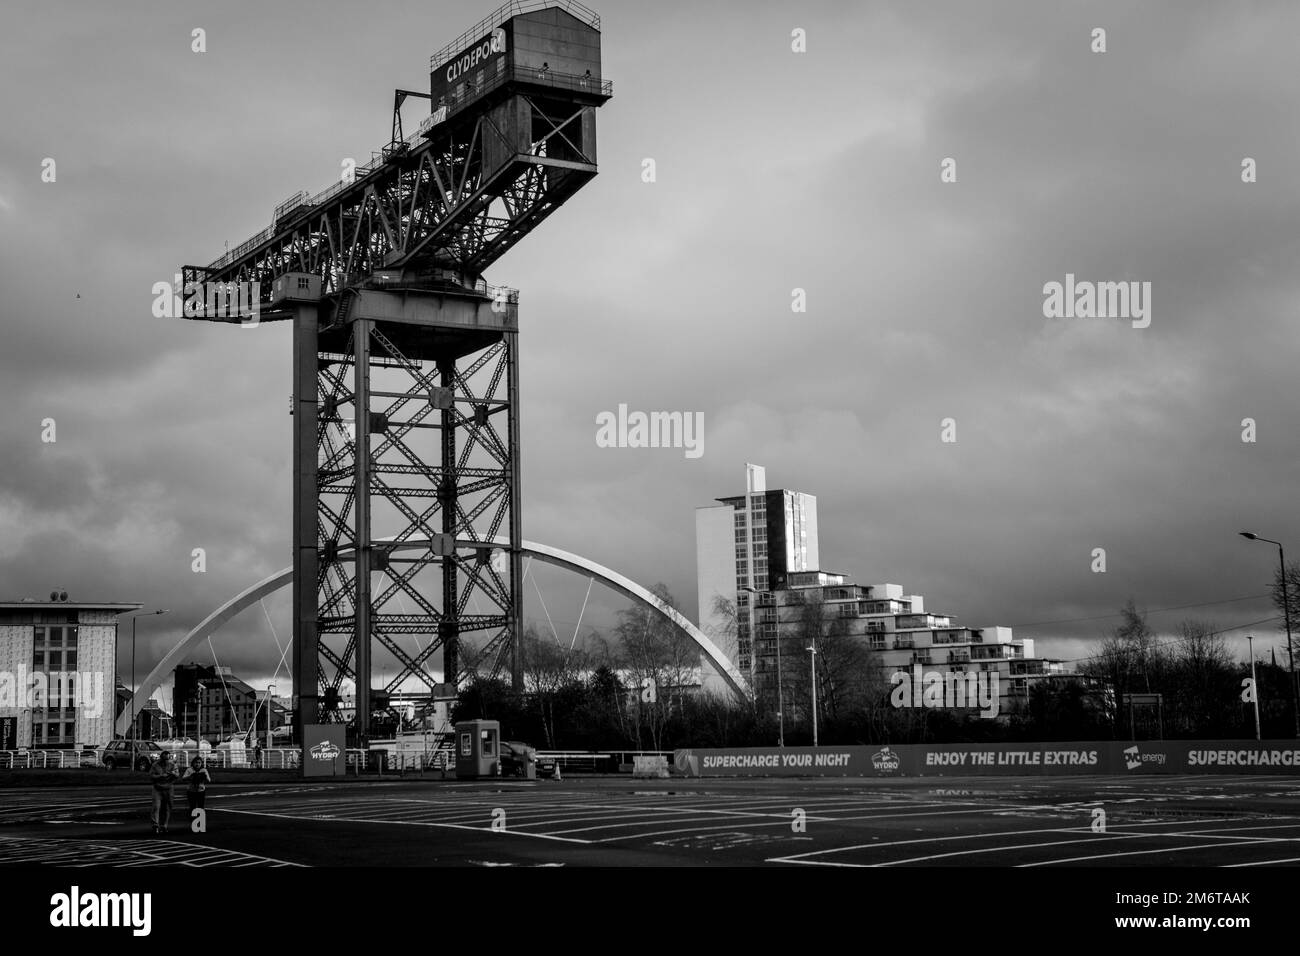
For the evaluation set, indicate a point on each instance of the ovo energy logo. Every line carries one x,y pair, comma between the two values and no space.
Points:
1134,758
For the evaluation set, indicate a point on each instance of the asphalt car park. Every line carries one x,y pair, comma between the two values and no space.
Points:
616,821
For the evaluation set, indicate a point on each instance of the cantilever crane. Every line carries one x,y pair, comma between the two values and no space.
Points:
397,336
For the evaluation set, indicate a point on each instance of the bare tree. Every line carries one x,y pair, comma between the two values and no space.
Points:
1128,660
661,661
549,670
843,662
1201,678
725,631
1292,589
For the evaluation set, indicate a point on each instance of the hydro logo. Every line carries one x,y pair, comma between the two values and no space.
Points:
885,761
325,750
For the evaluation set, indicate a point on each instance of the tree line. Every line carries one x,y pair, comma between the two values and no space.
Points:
634,689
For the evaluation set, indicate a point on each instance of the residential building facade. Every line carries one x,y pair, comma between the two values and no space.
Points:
58,672
898,631
758,568
747,544
212,703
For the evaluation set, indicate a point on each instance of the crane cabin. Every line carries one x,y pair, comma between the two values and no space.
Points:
533,67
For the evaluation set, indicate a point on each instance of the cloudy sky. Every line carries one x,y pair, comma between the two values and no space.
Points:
776,170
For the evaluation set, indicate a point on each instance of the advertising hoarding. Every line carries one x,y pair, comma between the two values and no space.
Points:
1018,759
324,750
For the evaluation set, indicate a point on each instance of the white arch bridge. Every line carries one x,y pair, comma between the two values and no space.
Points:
735,682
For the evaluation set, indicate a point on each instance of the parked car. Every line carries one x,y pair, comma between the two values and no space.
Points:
515,756
117,753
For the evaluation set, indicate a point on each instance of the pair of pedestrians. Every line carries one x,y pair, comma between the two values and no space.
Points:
163,776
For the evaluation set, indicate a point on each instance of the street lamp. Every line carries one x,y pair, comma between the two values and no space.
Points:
780,694
1254,686
1286,611
270,697
200,689
813,651
135,731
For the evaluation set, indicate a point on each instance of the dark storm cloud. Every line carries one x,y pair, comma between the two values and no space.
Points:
775,171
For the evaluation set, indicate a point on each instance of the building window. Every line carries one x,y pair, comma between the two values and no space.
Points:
54,654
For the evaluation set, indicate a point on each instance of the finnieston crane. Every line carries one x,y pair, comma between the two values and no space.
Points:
405,362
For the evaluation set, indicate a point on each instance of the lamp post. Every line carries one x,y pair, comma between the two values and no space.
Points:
1254,686
135,730
780,694
1286,612
197,698
269,698
813,651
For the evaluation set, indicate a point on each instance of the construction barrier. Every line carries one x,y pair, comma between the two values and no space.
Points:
1045,759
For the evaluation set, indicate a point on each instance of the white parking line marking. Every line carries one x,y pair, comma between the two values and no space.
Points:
414,823
1111,856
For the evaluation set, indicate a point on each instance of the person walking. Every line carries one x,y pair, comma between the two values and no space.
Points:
162,775
199,778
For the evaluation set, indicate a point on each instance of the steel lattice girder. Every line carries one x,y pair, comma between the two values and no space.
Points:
469,494
458,201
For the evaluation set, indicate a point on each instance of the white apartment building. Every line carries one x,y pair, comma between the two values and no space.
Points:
759,553
899,631
747,544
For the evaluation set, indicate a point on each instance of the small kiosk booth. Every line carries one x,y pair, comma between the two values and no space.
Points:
478,749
